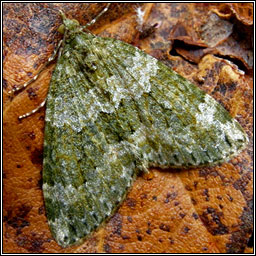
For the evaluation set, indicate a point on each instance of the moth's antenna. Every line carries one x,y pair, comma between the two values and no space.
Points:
96,18
52,57
33,111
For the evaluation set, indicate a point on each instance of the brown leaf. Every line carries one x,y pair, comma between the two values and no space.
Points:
242,11
193,36
187,35
188,211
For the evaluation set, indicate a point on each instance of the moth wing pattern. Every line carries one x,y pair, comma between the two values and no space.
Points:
112,111
85,174
182,126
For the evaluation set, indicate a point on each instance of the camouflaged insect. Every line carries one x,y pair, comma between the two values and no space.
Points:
113,111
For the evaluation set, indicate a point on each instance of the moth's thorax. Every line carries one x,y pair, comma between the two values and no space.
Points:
81,39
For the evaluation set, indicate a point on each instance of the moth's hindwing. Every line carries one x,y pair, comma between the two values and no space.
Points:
113,110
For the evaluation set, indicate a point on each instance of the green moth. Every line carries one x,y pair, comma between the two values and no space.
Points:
113,111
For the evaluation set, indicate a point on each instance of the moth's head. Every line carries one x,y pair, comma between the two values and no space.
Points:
70,25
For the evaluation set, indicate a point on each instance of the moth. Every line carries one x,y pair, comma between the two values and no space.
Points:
113,111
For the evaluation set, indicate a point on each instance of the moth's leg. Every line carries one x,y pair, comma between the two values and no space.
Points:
53,56
61,45
33,111
96,18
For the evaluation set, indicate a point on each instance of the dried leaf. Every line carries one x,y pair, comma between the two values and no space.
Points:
213,34
242,11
